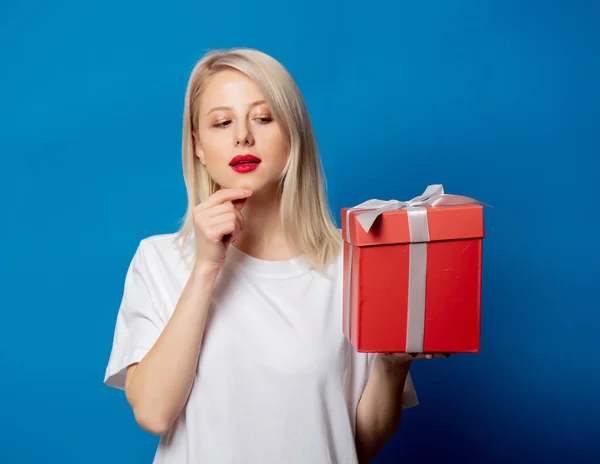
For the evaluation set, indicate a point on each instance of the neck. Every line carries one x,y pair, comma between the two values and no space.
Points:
263,236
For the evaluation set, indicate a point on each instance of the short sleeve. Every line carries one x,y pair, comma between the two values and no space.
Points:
409,395
138,324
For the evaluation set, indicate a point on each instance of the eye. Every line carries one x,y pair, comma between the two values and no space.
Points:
264,120
222,124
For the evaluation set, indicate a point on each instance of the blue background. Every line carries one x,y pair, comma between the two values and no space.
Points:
497,100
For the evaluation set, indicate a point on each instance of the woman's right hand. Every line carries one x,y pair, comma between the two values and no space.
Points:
217,222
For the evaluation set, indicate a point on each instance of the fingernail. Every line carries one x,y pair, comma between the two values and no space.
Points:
247,191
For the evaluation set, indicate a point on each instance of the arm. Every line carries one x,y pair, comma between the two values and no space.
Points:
379,410
158,386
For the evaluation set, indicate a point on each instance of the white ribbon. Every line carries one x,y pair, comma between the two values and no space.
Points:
432,196
419,236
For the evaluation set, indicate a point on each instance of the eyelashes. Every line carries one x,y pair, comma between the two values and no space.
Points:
224,124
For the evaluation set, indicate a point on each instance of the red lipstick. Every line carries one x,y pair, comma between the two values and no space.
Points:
244,163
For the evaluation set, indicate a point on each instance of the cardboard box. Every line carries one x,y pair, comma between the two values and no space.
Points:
412,274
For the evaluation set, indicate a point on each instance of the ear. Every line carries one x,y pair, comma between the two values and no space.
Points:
198,149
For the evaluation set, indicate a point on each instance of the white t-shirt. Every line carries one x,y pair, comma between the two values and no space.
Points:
277,381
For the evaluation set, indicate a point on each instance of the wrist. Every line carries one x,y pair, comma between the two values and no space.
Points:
393,362
203,271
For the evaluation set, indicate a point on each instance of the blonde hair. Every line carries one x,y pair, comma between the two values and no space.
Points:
306,218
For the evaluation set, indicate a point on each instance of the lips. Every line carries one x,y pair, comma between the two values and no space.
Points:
244,159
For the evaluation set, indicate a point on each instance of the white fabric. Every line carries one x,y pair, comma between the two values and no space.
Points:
277,381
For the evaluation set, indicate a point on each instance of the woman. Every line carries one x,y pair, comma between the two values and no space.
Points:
228,342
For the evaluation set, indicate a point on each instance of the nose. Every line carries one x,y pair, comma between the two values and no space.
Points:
243,136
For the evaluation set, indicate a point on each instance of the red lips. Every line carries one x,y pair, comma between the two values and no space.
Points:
248,158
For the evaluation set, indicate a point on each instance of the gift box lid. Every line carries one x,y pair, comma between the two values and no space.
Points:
445,223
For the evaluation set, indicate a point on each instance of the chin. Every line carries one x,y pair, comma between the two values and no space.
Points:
257,186
254,181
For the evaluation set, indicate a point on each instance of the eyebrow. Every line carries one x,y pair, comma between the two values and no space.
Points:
251,105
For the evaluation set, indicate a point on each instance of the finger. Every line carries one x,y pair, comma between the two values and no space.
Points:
239,204
223,217
223,195
219,231
234,219
226,207
221,228
228,239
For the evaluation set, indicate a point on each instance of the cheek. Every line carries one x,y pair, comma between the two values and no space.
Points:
277,144
212,146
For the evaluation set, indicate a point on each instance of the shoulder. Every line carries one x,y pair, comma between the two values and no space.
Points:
163,244
161,251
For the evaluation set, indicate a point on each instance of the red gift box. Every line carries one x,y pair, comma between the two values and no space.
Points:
412,274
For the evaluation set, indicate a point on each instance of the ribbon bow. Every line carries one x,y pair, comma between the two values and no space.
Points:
432,196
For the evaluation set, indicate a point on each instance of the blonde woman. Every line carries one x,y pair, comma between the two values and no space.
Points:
228,342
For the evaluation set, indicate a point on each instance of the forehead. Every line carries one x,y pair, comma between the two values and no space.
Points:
230,88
